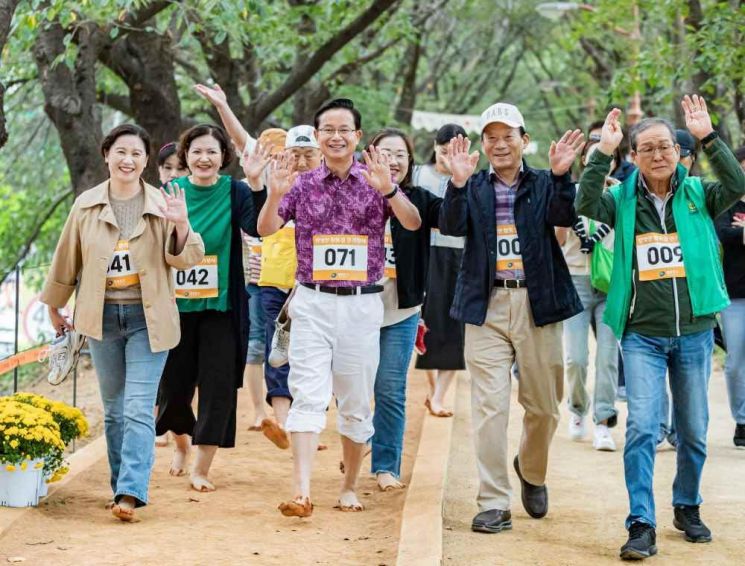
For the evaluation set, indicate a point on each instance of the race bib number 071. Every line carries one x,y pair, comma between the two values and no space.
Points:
122,272
199,282
659,256
509,257
339,258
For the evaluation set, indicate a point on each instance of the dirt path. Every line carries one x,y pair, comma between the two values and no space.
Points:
588,500
239,523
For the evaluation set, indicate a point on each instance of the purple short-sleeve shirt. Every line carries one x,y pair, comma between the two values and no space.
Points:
322,204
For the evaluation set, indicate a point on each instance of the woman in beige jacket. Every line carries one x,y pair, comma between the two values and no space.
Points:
117,249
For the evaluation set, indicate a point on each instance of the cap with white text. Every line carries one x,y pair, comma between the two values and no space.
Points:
502,113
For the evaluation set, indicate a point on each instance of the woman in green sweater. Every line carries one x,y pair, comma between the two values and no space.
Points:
213,304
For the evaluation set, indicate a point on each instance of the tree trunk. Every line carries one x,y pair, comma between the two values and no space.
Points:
409,67
7,8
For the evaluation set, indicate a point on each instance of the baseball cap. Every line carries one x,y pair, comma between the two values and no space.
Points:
301,136
504,113
686,142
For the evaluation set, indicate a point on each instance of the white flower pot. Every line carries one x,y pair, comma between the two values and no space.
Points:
20,488
43,485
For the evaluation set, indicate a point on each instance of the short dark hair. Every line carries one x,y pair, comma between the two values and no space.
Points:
396,133
336,103
125,130
200,130
445,134
740,153
166,151
596,125
647,123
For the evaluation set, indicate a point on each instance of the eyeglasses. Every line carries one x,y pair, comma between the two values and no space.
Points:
332,131
665,149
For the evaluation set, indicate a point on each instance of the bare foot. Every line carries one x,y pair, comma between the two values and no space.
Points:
125,509
389,482
275,433
298,507
201,484
178,463
437,410
348,502
161,440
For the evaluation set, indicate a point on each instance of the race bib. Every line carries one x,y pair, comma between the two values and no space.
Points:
199,282
390,256
122,271
339,258
508,249
658,256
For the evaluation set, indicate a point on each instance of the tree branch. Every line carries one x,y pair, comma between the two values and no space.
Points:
118,102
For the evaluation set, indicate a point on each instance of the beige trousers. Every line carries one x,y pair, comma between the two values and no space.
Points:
509,335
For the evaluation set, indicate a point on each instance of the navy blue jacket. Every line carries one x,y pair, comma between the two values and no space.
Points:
542,202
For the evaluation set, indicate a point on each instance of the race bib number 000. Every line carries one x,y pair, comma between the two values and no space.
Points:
509,257
199,282
659,256
122,272
339,258
390,257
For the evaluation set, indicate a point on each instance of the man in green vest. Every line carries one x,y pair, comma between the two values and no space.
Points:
666,288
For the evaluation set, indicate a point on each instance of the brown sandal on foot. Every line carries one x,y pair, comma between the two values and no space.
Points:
299,507
275,433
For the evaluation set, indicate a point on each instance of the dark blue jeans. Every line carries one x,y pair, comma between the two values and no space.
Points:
647,360
272,301
389,419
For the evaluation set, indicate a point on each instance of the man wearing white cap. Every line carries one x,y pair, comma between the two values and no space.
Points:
513,291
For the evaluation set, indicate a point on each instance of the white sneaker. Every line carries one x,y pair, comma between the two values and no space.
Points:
278,356
577,429
602,439
63,356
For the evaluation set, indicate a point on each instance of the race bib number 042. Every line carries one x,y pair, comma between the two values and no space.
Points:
509,257
659,256
339,258
199,282
122,272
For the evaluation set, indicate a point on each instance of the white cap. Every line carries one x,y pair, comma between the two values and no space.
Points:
300,136
504,113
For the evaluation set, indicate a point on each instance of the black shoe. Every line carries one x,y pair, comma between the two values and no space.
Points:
534,497
688,520
740,435
642,542
492,521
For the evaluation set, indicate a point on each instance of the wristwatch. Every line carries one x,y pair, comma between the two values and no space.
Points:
710,138
392,193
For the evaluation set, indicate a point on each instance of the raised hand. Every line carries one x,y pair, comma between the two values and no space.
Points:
611,135
562,154
697,116
215,95
175,205
254,162
378,174
282,174
462,164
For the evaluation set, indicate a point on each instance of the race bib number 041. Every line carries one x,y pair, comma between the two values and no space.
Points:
509,257
122,272
199,282
339,258
659,256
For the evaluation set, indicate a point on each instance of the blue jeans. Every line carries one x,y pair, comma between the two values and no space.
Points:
576,330
647,359
733,328
272,300
389,420
256,337
128,376
667,421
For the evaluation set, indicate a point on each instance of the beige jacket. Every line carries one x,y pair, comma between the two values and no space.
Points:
84,252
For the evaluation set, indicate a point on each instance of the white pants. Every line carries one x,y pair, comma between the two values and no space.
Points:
334,348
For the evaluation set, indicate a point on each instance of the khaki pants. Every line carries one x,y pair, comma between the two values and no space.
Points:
509,335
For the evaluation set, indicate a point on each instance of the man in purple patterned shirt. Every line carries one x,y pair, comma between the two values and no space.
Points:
340,211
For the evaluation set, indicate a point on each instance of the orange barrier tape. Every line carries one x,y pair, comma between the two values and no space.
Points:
23,358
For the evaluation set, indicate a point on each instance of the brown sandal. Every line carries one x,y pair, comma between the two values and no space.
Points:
299,507
275,433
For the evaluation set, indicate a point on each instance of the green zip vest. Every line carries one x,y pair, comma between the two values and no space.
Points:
698,242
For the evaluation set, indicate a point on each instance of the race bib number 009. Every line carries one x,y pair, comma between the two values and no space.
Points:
659,256
122,272
509,257
390,257
199,282
339,258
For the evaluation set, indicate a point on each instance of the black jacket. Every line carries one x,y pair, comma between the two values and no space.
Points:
734,251
542,202
411,248
244,206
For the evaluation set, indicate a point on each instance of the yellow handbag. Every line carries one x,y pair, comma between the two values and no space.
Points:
279,259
